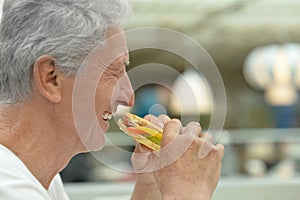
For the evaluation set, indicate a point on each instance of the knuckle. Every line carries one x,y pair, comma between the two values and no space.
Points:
176,121
163,116
207,135
219,152
192,142
201,141
173,123
193,127
195,124
149,117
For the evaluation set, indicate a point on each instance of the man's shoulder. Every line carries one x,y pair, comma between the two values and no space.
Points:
11,167
16,181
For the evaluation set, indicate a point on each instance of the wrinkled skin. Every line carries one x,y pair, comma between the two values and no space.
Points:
180,171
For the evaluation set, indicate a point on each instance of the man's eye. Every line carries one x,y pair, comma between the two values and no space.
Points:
115,73
120,74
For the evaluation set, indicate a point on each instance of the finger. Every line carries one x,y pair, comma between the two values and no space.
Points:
206,145
205,148
140,148
171,130
207,137
192,128
219,149
150,117
155,120
140,157
164,118
143,159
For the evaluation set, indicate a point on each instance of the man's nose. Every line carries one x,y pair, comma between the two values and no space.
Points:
127,92
131,100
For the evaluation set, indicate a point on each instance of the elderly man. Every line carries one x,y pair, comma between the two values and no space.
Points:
43,45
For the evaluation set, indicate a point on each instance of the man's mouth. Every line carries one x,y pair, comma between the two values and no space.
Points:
106,116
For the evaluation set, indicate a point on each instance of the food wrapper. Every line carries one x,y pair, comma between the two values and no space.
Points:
141,130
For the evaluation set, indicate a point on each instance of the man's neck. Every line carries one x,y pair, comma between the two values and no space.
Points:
34,143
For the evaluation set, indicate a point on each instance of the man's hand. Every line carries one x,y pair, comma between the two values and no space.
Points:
186,171
188,165
144,162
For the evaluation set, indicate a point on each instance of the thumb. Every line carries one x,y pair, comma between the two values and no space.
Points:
139,148
143,159
140,158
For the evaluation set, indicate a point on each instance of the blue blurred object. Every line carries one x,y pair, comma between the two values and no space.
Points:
147,101
285,116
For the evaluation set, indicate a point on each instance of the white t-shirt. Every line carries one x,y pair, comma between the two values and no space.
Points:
17,182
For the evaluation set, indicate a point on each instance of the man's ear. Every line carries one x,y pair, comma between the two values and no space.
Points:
47,78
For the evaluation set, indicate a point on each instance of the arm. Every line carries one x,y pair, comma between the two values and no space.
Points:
144,190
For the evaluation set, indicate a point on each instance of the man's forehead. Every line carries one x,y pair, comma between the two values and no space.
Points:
116,33
113,51
113,30
116,38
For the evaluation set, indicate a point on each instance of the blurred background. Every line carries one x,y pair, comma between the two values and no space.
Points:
256,47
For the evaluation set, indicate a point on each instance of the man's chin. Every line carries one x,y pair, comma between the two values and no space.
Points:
95,141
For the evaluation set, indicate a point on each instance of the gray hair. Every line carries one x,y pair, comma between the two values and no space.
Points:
67,30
